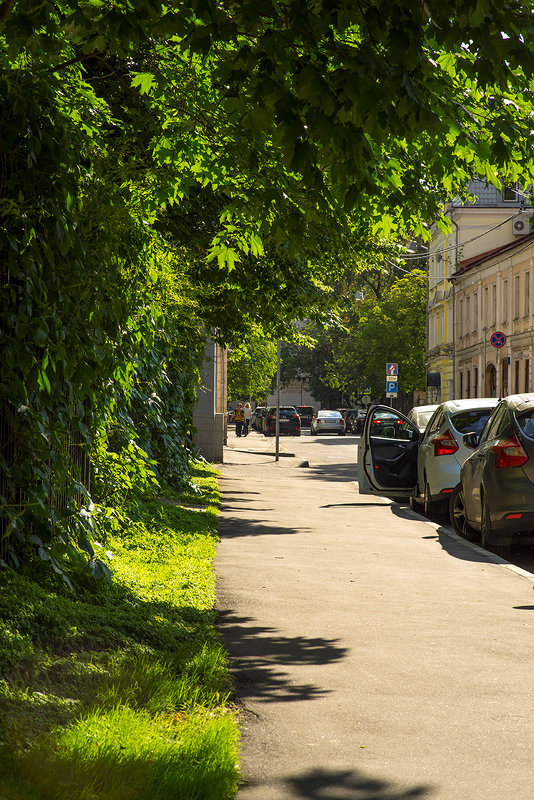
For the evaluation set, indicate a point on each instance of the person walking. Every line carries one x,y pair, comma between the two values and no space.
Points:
239,418
247,412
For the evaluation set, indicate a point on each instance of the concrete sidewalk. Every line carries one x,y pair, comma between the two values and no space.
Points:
375,656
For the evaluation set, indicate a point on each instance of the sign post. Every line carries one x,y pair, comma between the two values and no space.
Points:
392,376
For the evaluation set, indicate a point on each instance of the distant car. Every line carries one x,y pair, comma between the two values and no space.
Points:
494,499
350,416
396,460
289,421
420,415
359,422
328,422
255,416
306,414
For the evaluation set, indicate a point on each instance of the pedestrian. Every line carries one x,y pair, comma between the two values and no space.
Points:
247,411
239,418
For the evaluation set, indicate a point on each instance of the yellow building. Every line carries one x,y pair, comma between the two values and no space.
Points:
481,226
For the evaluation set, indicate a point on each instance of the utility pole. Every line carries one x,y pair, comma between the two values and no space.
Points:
277,451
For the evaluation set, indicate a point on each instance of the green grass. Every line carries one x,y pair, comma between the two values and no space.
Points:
120,692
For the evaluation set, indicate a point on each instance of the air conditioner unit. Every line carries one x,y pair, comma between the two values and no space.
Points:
521,225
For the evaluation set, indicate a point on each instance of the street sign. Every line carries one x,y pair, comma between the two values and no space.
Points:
498,339
391,388
394,378
366,390
392,369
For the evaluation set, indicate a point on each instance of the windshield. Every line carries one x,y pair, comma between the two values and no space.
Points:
471,421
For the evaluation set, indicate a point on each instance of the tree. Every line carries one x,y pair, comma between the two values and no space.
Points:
251,367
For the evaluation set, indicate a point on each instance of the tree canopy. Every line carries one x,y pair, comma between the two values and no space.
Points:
173,168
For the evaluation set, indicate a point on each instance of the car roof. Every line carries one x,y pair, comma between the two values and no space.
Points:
472,403
424,408
519,400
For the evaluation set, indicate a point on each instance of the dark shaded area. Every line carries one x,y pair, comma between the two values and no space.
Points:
259,654
325,784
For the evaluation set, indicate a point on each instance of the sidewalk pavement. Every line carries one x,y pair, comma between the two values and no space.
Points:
375,656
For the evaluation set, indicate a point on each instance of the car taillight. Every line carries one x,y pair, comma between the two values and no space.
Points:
509,453
445,445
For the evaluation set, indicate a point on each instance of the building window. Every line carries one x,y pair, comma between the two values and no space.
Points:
516,296
475,382
461,319
468,387
517,389
467,316
475,311
526,295
510,194
494,304
486,307
461,384
504,301
504,377
527,375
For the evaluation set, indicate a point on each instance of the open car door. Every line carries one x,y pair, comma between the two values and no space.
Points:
387,454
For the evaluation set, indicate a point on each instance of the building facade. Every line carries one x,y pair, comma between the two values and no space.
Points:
494,218
494,307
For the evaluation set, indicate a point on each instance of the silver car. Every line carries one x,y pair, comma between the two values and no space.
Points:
327,422
399,461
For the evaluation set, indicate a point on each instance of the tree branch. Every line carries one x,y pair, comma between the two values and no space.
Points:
6,8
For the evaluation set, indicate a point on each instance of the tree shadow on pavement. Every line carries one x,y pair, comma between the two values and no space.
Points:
326,784
257,653
234,527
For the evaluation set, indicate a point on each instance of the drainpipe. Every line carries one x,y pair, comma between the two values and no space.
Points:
454,310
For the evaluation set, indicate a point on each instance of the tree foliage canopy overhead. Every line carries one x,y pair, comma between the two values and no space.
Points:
173,167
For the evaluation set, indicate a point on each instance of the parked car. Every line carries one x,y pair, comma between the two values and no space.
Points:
350,416
420,415
494,499
289,421
328,422
359,422
396,460
306,414
255,417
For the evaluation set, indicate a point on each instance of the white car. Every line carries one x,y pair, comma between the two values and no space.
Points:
327,422
400,462
420,415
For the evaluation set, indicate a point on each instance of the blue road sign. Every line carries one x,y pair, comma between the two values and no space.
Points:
498,339
392,369
391,387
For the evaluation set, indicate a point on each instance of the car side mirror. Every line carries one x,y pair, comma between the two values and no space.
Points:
471,439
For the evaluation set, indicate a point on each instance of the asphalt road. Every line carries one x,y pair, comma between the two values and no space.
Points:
375,656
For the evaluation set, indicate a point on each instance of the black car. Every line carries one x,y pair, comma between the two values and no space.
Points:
495,497
289,421
352,417
306,414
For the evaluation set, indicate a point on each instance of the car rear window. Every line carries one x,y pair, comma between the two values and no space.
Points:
471,421
525,420
305,410
330,414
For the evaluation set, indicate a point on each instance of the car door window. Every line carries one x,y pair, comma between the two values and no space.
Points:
494,423
435,423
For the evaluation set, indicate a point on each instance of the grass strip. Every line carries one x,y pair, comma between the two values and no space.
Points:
120,692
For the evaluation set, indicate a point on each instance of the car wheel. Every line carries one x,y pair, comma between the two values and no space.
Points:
458,517
502,550
415,505
427,500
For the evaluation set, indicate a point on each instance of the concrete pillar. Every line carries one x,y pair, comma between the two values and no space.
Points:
209,415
